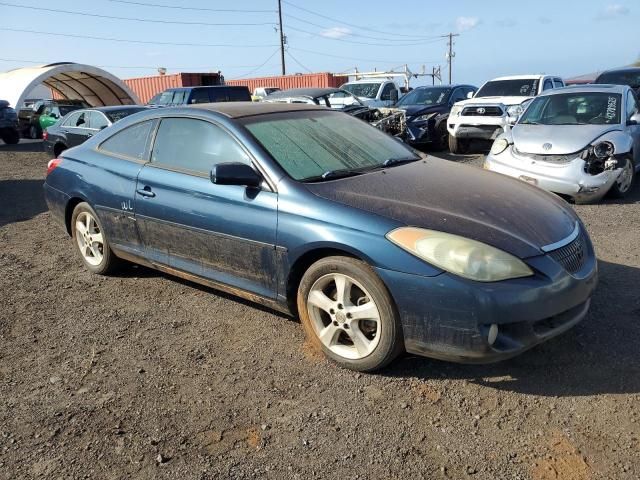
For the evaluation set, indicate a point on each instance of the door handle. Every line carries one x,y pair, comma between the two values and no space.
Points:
146,192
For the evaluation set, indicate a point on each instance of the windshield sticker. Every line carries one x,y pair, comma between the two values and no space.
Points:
612,108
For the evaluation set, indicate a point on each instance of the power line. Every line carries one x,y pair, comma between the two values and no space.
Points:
356,58
153,67
143,20
146,42
298,62
386,44
350,24
198,9
353,34
260,66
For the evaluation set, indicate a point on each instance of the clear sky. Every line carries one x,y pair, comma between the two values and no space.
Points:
497,37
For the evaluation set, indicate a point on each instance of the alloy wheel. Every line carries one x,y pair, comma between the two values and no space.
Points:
625,178
344,316
90,239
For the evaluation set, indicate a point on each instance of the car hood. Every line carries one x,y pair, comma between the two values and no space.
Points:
413,110
564,139
507,101
441,195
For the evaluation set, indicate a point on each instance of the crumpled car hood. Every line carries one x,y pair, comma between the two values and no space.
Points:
413,110
564,139
441,195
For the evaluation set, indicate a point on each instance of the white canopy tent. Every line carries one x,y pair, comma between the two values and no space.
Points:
68,80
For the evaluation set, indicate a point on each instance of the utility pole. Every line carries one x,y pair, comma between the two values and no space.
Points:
281,37
451,53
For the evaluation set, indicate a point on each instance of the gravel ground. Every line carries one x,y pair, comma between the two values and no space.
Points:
147,376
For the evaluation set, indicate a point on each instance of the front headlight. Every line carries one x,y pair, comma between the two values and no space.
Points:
460,256
455,111
425,118
603,149
515,110
499,146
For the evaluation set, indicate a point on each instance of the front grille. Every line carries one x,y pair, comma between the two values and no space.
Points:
573,255
483,111
559,159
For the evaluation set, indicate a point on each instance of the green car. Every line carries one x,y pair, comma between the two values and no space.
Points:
53,113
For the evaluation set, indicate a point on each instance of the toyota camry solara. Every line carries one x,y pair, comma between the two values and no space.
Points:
377,249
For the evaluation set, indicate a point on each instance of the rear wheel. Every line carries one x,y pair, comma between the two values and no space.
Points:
58,149
91,240
624,182
458,145
347,313
35,132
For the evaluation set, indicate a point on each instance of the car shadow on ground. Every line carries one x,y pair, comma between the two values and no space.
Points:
20,200
30,146
601,355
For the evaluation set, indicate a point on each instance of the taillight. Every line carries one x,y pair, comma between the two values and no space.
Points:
45,135
53,164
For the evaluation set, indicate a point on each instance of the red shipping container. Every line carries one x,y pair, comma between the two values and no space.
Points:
307,80
147,87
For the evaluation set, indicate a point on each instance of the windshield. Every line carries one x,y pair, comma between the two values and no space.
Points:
309,144
367,90
115,115
426,96
339,99
574,109
527,87
631,79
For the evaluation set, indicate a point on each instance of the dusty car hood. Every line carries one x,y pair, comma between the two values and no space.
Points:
507,101
441,195
564,139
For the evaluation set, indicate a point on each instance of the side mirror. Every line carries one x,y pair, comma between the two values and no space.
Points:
235,173
635,119
470,94
394,95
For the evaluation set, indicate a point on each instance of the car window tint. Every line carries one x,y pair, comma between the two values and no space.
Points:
131,142
194,145
72,119
548,85
98,121
199,95
179,97
386,92
458,95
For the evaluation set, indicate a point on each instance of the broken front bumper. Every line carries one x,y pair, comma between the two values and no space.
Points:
569,179
450,318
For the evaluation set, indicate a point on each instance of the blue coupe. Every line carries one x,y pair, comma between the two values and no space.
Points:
377,248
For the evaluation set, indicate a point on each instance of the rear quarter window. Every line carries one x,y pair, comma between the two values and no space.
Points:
132,142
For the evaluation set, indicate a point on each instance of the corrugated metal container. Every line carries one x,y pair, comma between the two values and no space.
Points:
307,80
147,87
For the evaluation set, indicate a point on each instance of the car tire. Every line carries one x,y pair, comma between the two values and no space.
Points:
440,141
458,146
359,328
624,183
11,137
58,149
91,241
35,132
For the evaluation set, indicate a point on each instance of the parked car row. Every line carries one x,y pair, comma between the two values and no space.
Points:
34,119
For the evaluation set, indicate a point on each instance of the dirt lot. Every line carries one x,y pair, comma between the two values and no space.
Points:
146,376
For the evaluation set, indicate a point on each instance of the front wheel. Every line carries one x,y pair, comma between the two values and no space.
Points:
347,313
458,145
441,136
624,182
91,240
10,137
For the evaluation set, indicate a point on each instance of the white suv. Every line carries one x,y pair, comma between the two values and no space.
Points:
374,92
498,103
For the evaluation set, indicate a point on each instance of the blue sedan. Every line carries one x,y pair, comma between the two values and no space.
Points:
377,248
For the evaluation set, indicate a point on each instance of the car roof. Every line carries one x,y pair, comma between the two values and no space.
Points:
524,77
248,109
588,88
113,108
454,85
200,87
370,80
304,92
622,70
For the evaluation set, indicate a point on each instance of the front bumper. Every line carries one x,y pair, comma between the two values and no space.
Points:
482,128
420,132
569,179
448,317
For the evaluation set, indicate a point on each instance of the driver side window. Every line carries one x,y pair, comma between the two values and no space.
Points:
386,92
194,146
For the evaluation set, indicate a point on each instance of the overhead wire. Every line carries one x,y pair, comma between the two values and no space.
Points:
198,9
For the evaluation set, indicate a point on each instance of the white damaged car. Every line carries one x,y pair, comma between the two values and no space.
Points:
578,142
